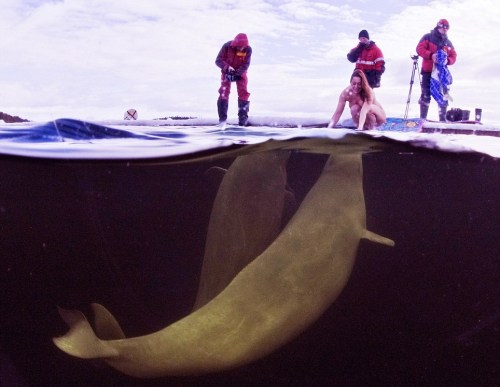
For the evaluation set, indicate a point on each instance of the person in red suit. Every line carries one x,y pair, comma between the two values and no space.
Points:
368,58
427,48
234,60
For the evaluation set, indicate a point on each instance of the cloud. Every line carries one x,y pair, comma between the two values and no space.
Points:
94,59
306,10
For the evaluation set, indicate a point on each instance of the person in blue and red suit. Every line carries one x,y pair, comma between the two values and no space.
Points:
234,60
368,58
427,48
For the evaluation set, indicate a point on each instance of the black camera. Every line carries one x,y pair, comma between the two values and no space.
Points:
232,77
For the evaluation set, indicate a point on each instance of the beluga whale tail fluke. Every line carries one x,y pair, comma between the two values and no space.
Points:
268,302
81,341
106,326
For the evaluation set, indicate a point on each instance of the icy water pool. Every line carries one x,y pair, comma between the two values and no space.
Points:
246,253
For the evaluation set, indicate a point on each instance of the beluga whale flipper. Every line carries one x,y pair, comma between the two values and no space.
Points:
268,303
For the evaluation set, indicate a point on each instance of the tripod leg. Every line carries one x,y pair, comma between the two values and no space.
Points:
412,80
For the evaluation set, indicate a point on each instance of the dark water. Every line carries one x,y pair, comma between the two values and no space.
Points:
130,234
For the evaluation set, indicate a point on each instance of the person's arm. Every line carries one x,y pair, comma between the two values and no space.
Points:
353,55
338,111
452,56
423,48
370,99
362,115
220,61
379,60
379,70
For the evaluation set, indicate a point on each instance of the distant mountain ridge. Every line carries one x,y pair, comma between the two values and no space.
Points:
10,119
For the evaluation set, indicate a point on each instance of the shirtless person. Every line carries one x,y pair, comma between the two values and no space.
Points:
366,112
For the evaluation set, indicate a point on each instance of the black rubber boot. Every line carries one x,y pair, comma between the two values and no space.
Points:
222,105
442,113
243,108
424,109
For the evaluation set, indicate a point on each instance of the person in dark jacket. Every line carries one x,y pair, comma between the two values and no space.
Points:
368,58
427,48
234,60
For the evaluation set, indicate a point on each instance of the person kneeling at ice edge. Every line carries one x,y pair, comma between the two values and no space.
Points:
366,111
234,61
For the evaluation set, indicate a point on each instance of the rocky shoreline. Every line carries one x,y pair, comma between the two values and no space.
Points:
7,118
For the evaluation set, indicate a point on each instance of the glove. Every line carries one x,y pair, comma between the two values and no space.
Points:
232,76
353,55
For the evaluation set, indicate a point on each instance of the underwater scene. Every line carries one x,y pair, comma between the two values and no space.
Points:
309,260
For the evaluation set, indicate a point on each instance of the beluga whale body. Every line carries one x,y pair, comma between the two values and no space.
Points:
270,301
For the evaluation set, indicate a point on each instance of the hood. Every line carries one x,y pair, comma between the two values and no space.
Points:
240,40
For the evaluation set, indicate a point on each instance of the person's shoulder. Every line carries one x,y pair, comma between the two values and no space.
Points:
426,36
346,94
374,45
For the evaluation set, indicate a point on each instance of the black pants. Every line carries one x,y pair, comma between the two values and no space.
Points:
425,97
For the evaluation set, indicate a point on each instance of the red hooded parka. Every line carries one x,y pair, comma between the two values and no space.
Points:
237,54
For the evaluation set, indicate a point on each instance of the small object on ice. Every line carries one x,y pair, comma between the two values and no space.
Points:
130,114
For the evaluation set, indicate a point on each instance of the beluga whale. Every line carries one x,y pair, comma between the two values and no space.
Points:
293,278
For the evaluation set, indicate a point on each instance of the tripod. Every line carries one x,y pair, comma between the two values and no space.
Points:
415,68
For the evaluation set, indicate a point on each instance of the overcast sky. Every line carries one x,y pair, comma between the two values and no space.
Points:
94,59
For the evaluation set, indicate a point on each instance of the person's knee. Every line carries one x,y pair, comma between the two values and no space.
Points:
425,99
224,91
243,94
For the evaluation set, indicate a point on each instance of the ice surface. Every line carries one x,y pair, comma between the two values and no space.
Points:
115,139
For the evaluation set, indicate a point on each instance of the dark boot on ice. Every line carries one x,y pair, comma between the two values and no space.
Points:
442,113
222,105
243,108
424,108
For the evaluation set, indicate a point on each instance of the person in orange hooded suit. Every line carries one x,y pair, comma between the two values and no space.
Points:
234,60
